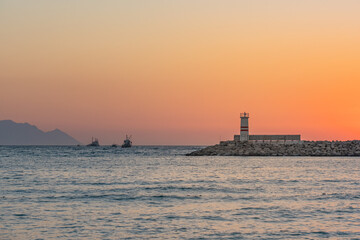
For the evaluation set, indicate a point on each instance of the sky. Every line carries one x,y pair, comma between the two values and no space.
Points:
180,72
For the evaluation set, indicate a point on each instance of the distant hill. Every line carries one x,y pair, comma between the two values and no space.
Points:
12,133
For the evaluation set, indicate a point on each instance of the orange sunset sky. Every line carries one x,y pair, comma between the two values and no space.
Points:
180,72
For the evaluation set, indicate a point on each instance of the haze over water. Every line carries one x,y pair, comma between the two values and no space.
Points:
158,193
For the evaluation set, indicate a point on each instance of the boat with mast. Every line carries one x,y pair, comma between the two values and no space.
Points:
127,142
94,143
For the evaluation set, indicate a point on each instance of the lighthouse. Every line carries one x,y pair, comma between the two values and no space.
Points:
244,126
244,134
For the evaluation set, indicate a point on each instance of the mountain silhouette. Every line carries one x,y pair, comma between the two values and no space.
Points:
12,133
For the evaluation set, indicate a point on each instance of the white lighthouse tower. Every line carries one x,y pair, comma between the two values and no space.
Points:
244,126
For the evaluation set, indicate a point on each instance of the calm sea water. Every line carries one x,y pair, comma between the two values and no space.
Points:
158,193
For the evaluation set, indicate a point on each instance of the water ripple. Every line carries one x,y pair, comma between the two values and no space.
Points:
158,193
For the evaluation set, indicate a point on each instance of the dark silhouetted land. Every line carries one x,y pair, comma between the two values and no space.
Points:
12,133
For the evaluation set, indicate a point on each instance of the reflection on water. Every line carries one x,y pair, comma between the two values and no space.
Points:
157,192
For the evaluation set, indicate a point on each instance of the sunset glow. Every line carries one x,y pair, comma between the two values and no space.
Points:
180,72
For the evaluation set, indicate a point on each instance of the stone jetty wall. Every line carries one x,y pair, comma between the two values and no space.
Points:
303,148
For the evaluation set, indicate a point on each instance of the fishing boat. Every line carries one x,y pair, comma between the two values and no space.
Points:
127,142
94,143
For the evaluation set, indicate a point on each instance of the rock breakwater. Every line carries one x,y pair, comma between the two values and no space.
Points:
303,148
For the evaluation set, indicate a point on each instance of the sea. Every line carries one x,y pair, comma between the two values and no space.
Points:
157,192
